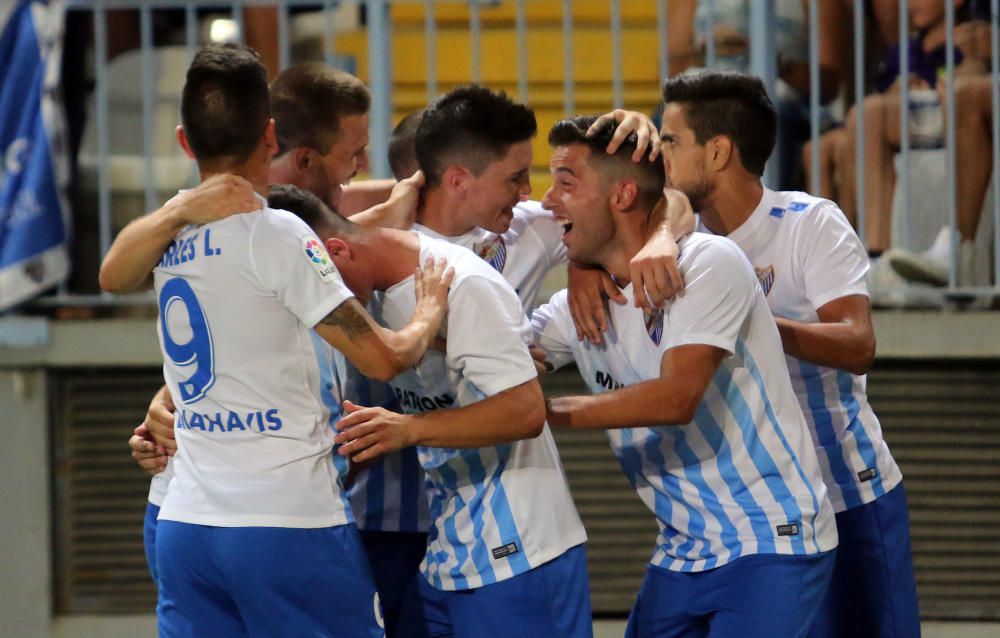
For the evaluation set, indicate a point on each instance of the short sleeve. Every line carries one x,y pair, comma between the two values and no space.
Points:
291,261
833,260
487,335
718,296
553,330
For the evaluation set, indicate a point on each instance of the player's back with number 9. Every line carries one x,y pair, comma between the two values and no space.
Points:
236,298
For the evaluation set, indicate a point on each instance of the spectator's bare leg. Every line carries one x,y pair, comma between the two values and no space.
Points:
973,141
881,120
829,154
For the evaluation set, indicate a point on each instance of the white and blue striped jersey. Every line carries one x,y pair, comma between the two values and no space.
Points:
523,255
740,479
238,299
384,496
389,495
806,255
497,511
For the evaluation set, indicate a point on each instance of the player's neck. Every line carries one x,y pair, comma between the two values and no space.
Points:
397,257
257,176
731,204
630,237
440,212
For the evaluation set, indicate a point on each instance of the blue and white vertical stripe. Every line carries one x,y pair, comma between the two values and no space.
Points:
330,392
856,463
729,484
390,495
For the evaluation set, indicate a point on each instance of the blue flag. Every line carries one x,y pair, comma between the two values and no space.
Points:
34,215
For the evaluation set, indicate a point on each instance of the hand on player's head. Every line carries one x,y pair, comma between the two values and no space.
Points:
629,122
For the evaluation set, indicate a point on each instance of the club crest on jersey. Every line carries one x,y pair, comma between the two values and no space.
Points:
494,252
654,325
318,258
766,278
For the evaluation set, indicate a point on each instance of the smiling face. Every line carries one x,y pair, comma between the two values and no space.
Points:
579,199
684,158
492,196
345,159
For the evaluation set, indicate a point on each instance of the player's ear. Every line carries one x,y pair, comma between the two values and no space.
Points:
183,141
302,159
624,194
720,151
456,178
271,138
338,248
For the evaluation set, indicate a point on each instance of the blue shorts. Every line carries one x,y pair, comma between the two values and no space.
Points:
550,600
264,581
395,559
757,596
149,537
873,591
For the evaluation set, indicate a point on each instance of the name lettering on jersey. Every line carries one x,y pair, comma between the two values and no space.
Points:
791,529
766,278
607,382
777,212
654,325
319,259
504,550
410,400
867,475
182,251
798,207
494,252
259,421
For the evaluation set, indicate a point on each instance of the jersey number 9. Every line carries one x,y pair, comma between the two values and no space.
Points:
198,350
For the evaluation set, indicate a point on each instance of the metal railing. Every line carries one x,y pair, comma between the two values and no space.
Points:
379,24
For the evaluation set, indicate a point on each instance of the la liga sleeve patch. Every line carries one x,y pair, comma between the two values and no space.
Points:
320,260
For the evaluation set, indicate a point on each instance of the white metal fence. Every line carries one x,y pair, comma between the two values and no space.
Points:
377,21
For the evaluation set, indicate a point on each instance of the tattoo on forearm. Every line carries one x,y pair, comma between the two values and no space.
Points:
348,318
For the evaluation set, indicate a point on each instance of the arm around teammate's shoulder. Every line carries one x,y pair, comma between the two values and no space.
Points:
381,353
139,246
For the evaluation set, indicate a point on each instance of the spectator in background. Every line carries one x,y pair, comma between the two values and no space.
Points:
927,54
688,24
974,151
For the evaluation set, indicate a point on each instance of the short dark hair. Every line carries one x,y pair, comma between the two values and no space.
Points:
732,104
472,125
309,99
310,209
649,175
403,145
224,104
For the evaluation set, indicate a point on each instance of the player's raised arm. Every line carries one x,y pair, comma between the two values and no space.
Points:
381,353
136,250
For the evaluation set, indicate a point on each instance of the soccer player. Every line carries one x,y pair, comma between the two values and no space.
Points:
699,410
718,131
505,556
252,474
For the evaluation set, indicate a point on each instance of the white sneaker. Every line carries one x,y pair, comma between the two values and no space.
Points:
930,266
